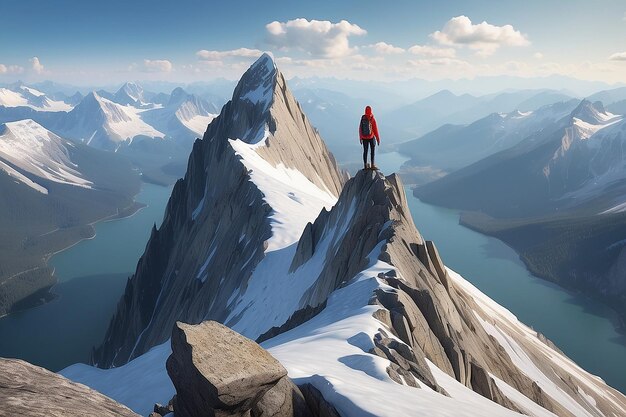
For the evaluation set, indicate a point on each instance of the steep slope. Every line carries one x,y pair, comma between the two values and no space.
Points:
27,146
183,118
130,94
577,158
396,334
452,147
20,95
259,161
51,190
103,124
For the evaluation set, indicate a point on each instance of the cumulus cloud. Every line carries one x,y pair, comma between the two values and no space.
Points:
485,38
384,48
157,65
318,38
11,69
36,65
219,55
538,55
618,56
432,52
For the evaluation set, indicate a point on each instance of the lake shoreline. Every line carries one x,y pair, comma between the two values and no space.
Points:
620,319
45,295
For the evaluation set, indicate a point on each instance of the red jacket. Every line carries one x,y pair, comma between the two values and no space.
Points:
368,113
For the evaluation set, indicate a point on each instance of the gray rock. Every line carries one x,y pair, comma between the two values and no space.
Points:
282,400
316,402
27,390
214,368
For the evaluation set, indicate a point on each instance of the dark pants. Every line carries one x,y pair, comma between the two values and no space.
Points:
369,143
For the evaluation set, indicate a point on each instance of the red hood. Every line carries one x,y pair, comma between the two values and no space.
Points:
368,111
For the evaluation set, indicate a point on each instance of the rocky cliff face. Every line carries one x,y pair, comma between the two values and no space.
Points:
218,222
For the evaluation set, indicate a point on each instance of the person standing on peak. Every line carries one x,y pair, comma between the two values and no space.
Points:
368,131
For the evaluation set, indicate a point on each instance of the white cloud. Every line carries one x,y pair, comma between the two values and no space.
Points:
318,38
157,65
219,55
538,55
384,48
37,66
618,56
432,52
11,69
483,37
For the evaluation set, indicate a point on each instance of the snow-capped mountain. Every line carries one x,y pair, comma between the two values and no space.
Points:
28,148
130,94
19,95
452,147
104,124
267,236
590,156
184,117
572,161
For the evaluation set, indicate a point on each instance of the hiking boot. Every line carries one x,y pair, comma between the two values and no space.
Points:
374,167
366,166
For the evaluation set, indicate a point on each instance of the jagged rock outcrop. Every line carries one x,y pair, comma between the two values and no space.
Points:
429,317
219,372
27,390
217,221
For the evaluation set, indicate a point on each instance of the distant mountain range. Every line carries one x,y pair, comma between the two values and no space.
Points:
452,147
577,157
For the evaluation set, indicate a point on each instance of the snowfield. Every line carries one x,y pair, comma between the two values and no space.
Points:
28,146
28,97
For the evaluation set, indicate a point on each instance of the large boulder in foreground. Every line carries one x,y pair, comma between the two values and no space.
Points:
27,390
218,372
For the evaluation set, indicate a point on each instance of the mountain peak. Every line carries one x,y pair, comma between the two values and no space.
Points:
589,112
257,83
129,93
178,96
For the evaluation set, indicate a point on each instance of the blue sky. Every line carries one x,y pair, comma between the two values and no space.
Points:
97,42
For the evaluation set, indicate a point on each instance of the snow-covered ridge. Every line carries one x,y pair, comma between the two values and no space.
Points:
27,97
27,146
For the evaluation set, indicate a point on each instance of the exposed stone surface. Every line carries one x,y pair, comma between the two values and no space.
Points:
317,404
213,367
282,400
27,390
